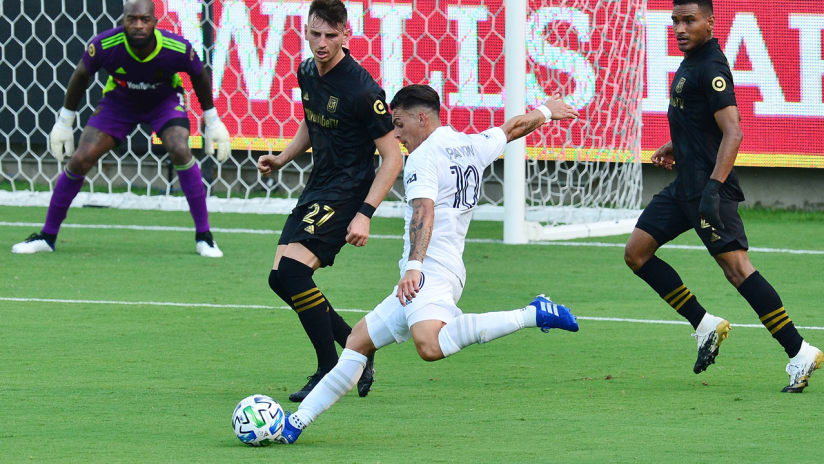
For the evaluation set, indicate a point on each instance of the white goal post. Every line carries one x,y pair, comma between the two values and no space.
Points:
488,60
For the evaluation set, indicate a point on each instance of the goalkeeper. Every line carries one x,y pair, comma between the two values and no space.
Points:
143,87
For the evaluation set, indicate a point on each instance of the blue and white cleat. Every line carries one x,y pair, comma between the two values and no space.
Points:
290,433
551,315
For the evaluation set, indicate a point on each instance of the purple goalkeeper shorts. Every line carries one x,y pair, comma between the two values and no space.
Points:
118,118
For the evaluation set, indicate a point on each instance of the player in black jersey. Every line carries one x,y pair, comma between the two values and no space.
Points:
345,119
706,134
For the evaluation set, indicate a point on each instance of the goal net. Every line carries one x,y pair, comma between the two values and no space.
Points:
584,178
589,50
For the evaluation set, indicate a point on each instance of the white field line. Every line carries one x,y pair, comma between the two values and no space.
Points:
389,237
345,310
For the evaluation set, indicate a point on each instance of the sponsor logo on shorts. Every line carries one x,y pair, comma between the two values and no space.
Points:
412,178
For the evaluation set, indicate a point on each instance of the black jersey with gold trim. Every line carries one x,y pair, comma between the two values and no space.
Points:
702,86
345,111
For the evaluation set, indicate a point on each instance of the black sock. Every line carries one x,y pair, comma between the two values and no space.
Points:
51,238
667,283
767,304
312,308
340,328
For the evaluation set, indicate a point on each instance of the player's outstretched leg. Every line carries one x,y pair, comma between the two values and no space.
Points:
468,329
711,331
801,366
67,187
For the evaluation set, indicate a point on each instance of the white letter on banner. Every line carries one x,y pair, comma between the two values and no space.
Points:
354,12
235,24
188,12
468,87
563,60
812,66
745,31
391,16
659,63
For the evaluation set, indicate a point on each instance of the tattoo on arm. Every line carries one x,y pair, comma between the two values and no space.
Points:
520,126
420,229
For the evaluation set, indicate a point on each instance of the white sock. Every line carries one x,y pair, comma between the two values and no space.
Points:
330,389
468,329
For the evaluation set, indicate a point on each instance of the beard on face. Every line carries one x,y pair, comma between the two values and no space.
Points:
139,43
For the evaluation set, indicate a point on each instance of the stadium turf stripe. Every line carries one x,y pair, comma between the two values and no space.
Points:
392,237
346,310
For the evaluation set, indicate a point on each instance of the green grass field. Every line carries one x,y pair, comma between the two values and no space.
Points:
102,377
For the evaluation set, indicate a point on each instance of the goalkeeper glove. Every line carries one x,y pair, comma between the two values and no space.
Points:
215,132
61,137
710,204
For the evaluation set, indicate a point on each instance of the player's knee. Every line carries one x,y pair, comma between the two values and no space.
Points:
633,259
359,339
274,282
179,153
81,162
429,351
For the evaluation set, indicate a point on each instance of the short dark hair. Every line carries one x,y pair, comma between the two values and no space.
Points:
417,95
705,5
332,12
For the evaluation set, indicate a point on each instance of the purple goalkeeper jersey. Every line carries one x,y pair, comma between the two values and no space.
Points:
141,82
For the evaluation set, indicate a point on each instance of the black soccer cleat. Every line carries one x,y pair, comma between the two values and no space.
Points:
301,394
367,377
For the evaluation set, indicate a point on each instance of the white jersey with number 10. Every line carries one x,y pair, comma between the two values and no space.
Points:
447,168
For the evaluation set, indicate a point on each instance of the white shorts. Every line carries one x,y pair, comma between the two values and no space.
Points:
437,300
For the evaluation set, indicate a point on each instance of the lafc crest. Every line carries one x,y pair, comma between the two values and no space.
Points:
680,86
332,105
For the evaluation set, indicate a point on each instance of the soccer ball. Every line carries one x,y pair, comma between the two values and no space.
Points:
258,420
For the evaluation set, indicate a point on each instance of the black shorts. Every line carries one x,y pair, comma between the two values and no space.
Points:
667,217
320,227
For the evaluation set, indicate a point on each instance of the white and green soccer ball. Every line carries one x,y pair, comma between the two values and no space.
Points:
258,420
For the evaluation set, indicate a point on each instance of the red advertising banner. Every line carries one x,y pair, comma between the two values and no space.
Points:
774,49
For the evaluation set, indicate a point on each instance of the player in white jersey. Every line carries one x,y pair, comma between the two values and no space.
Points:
443,179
